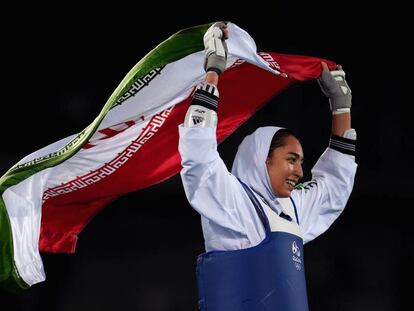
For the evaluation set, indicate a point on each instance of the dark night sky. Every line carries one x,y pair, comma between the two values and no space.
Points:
139,253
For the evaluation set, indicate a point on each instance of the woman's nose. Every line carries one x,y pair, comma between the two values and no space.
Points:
298,170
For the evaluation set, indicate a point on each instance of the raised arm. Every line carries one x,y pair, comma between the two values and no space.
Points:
321,200
203,109
208,185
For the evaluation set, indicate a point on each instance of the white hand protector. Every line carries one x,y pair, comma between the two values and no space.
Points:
202,111
199,116
215,48
334,86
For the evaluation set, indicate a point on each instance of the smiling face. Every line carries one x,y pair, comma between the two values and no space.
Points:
284,166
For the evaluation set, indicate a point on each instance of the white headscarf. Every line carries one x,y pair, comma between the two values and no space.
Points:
250,164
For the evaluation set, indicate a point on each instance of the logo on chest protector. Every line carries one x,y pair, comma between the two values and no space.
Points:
296,256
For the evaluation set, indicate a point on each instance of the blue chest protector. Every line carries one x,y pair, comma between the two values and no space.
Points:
266,277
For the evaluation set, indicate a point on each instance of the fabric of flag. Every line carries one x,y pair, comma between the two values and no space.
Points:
50,195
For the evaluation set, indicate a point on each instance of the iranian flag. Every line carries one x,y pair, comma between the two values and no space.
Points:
50,195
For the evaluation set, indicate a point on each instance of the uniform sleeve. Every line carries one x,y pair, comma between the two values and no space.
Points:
320,201
208,185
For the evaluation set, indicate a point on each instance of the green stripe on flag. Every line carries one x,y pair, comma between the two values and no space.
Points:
9,277
179,45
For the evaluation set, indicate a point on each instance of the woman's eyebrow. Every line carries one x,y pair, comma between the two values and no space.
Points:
297,155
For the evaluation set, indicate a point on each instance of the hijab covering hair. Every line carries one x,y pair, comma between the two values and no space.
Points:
250,164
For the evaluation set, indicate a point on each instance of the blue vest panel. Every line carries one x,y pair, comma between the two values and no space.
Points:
269,276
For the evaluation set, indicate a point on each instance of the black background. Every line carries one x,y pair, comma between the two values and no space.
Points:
60,65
